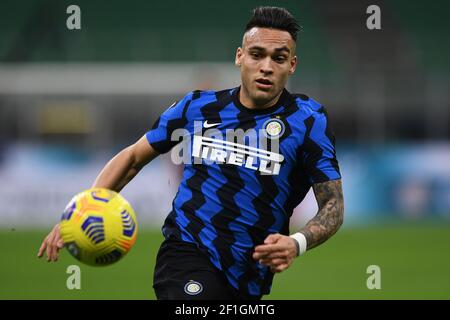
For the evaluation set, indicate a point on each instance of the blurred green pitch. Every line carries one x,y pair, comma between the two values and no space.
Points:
414,261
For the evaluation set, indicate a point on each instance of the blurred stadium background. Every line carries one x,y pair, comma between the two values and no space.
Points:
70,99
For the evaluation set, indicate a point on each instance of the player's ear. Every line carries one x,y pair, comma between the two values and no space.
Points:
293,62
237,60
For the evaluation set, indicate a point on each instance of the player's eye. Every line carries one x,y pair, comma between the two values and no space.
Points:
280,59
255,55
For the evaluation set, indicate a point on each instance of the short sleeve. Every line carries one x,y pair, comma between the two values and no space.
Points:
319,152
159,136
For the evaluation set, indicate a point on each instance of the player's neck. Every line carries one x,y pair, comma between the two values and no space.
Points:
246,101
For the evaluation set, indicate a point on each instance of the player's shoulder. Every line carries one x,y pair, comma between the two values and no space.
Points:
308,106
202,96
192,105
212,94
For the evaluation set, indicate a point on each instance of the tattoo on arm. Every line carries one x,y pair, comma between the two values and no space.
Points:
330,216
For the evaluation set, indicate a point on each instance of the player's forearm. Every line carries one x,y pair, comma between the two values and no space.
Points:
118,171
330,216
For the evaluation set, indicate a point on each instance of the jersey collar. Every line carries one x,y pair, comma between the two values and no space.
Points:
284,100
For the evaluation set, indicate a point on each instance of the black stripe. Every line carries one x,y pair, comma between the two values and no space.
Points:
225,193
262,206
314,153
302,96
196,94
156,124
299,184
269,187
329,133
167,144
211,110
195,225
170,229
297,177
190,207
247,121
230,211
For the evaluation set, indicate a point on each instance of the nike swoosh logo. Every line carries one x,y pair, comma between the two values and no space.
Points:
210,125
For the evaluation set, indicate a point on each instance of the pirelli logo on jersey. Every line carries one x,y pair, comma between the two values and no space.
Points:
222,151
252,149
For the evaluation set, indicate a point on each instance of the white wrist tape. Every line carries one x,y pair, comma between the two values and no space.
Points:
301,240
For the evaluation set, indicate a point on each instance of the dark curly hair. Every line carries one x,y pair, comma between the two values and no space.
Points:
275,18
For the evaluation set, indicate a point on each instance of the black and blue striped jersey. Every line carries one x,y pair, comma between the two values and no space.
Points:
239,188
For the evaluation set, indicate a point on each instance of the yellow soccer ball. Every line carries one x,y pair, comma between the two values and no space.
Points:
98,227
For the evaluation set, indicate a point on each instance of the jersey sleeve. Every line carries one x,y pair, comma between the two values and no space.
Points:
159,136
319,152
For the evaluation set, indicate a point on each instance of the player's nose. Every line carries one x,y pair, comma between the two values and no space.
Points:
266,66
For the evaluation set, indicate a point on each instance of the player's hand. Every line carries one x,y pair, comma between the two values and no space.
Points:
278,252
52,244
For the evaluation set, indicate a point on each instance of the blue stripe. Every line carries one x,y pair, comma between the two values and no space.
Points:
67,214
94,229
318,136
128,224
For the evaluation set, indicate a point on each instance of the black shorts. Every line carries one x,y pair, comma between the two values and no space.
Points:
183,272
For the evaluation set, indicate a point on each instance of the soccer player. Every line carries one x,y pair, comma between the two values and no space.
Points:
228,232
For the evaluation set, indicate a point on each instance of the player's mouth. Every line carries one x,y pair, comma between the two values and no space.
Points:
264,83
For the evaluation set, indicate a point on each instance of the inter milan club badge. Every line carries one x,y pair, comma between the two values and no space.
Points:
193,287
273,128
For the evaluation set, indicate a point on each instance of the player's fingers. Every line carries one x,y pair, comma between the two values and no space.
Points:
55,253
279,268
50,246
56,249
282,267
42,248
272,262
265,249
49,252
269,247
257,255
284,254
260,254
60,243
272,238
58,246
57,242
